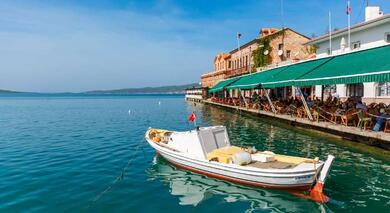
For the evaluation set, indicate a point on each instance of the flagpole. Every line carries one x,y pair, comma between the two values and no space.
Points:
238,41
349,24
330,33
250,60
239,49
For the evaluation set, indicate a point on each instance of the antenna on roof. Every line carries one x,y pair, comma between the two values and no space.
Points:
330,33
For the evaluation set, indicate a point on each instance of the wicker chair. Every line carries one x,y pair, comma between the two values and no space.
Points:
349,117
387,127
301,112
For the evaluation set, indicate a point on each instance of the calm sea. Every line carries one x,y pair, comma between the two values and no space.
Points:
57,153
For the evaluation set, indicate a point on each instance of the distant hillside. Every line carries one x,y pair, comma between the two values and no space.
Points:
7,91
147,90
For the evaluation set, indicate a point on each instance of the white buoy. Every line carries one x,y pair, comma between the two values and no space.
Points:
129,111
159,103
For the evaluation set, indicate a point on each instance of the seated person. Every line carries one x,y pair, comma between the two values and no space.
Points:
310,102
380,120
361,106
342,109
255,97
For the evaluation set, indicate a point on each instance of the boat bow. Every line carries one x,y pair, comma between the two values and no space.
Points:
316,192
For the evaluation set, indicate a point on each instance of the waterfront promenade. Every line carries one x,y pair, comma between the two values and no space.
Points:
378,139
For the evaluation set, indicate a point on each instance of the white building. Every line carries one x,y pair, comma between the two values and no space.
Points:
195,94
373,32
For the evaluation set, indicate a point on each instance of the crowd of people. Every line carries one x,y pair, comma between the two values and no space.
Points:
350,112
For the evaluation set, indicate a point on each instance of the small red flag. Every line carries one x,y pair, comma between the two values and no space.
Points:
192,117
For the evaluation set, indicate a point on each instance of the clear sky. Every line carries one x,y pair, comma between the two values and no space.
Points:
79,45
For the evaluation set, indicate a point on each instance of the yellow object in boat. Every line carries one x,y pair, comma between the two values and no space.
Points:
224,154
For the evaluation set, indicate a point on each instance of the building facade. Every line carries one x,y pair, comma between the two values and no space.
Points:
195,94
373,32
241,60
286,46
222,64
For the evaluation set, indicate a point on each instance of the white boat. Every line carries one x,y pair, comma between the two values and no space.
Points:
207,150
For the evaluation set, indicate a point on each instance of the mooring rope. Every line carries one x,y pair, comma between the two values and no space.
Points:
116,180
378,116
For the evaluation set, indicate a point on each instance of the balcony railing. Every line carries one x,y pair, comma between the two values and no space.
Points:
236,72
227,73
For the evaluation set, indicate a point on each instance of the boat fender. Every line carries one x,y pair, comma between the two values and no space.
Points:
241,158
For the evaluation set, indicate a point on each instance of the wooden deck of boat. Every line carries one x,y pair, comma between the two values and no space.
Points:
378,139
272,165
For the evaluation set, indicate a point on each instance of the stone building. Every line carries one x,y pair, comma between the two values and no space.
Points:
222,64
285,46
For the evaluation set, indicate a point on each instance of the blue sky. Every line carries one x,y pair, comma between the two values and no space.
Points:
76,45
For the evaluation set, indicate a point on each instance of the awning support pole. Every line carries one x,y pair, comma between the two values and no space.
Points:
269,100
305,104
246,105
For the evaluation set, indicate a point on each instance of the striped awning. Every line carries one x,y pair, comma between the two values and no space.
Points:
287,76
254,80
222,84
371,65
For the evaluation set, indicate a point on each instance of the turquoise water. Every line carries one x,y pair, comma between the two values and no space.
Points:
58,152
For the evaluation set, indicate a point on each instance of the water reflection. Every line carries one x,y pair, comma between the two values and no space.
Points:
193,189
357,179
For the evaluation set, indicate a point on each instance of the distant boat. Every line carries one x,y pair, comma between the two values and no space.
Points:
208,151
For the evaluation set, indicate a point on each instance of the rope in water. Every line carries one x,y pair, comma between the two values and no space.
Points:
116,180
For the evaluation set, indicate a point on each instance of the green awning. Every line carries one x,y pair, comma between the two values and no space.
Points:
254,80
372,65
292,72
240,81
222,84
